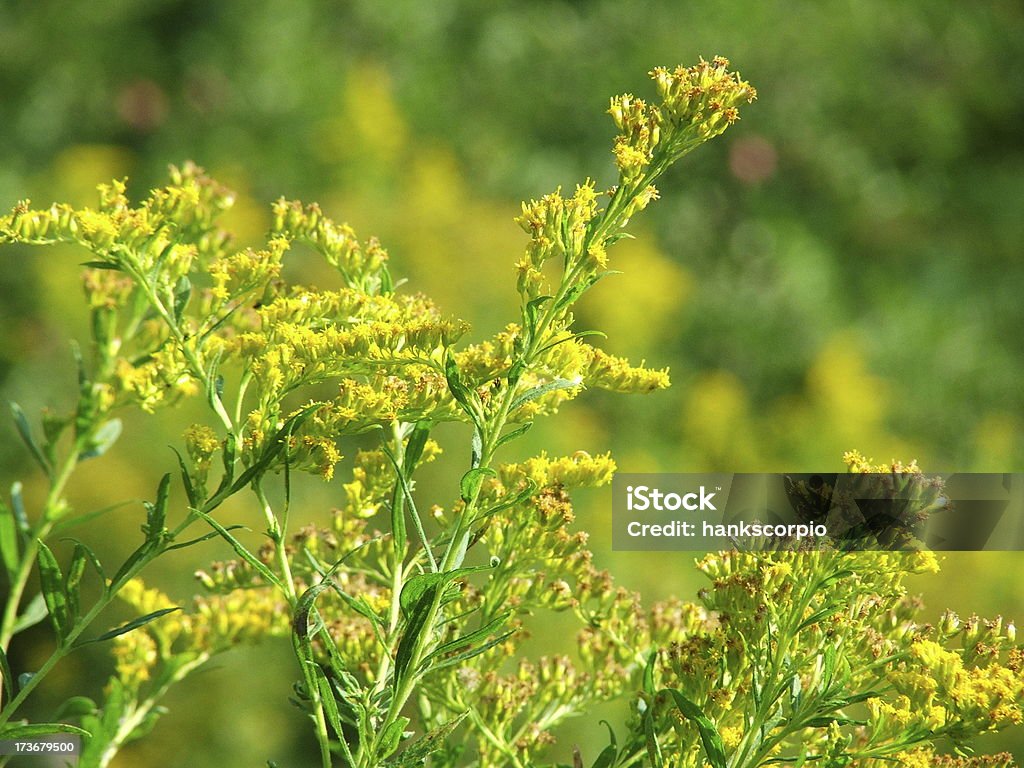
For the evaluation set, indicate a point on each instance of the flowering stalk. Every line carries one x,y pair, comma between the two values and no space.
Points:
402,640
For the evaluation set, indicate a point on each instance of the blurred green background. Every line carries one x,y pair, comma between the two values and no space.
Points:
841,270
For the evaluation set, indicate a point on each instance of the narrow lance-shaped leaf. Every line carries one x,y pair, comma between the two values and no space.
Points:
156,513
133,624
709,735
34,612
102,440
470,484
18,508
6,678
465,397
403,497
513,434
416,753
269,576
10,541
51,582
607,757
466,655
186,480
14,732
25,431
73,580
391,737
416,599
466,641
543,389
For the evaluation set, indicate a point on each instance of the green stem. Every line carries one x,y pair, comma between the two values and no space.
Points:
277,535
67,645
398,565
304,653
51,509
129,723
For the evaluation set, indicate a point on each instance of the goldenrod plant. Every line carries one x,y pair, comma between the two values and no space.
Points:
407,615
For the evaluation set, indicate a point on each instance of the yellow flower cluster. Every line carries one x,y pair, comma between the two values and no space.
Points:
239,273
977,699
558,229
697,104
308,347
617,375
144,240
360,266
581,470
856,462
160,379
211,625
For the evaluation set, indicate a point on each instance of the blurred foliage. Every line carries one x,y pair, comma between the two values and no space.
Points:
843,273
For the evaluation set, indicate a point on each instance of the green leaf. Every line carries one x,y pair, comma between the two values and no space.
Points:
825,722
416,753
614,238
191,494
228,461
25,431
13,732
112,266
131,625
607,757
469,486
102,440
462,394
387,284
414,446
6,678
513,434
276,445
51,583
204,537
76,706
465,655
531,313
543,389
391,737
10,541
709,735
816,617
34,612
73,579
67,523
418,586
469,640
130,566
18,508
156,513
328,700
303,607
573,337
416,599
268,575
574,293
648,681
828,669
651,739
182,293
524,495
